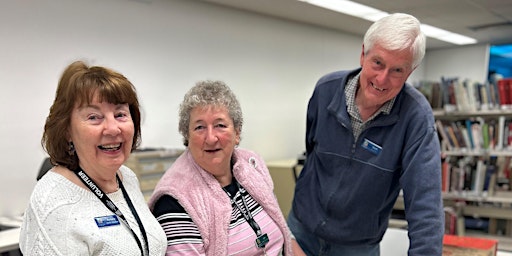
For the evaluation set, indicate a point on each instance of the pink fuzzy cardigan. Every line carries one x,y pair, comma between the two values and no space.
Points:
202,197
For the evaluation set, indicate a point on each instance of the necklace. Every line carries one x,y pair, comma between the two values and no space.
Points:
108,191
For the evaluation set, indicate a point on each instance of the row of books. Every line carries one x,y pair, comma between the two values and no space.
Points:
475,134
451,94
476,176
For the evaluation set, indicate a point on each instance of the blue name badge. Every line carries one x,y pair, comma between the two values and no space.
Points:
106,221
371,146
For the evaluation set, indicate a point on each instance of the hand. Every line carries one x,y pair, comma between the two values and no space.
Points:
296,249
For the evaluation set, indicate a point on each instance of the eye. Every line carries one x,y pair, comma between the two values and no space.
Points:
398,72
198,127
377,64
94,117
221,125
122,114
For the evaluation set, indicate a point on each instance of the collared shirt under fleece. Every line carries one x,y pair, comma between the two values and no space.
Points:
346,192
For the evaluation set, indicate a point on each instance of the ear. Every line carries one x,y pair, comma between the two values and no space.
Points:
237,136
361,59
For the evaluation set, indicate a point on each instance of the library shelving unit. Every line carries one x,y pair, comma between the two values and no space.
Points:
477,152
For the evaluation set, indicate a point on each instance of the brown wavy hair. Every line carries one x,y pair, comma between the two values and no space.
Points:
77,86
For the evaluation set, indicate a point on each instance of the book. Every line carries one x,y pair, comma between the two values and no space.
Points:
503,91
445,175
509,137
495,97
445,140
470,133
437,96
479,177
448,94
485,101
473,100
501,133
450,220
490,179
457,127
453,137
462,99
493,133
476,133
469,246
462,135
485,136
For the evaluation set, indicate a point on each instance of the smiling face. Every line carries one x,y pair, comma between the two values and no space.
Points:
102,134
212,140
383,74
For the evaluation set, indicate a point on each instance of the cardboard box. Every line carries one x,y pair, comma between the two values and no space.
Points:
469,246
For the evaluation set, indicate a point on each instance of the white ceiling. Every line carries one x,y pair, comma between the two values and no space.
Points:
488,21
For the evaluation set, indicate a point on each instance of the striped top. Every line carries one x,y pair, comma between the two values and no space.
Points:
184,238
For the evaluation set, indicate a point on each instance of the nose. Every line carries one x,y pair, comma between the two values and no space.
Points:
111,126
382,76
211,136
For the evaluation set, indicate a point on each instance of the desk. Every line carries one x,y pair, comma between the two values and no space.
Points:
10,233
9,239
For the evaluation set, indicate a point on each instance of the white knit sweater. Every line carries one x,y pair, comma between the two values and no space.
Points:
60,220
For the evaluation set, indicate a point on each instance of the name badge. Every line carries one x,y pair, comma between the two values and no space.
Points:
371,146
106,221
262,240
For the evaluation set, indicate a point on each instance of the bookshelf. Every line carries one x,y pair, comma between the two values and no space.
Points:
476,150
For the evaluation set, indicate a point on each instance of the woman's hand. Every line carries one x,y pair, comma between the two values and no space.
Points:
296,249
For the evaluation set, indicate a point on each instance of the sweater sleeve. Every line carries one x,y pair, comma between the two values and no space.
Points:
34,241
421,185
183,237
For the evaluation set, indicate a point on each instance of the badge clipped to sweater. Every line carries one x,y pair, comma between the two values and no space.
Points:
107,221
371,146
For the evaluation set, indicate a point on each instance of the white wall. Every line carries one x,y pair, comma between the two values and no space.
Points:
466,62
163,47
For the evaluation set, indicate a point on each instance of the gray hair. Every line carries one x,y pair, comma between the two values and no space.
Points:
397,31
209,93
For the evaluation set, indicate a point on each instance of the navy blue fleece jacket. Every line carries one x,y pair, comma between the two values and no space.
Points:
347,188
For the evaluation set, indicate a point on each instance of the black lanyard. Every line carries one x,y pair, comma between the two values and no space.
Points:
261,239
111,206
